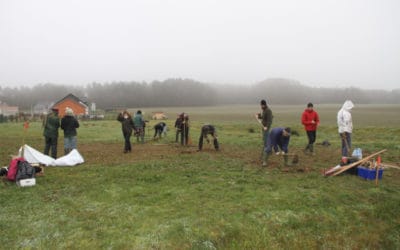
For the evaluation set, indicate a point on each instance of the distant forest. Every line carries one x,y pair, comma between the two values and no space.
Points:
187,92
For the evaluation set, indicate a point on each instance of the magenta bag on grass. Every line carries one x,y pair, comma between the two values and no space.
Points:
13,168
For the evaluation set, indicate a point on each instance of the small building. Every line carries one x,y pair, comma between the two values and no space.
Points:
6,110
159,116
42,108
79,107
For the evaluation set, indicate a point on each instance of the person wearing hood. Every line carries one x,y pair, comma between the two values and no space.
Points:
310,120
345,126
69,124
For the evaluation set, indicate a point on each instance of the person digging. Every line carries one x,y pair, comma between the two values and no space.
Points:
278,139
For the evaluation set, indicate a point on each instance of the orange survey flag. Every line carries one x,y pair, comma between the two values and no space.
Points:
26,125
378,161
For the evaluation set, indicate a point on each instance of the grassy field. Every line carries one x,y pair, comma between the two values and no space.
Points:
165,196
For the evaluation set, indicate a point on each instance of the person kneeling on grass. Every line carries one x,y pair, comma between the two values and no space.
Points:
278,139
205,131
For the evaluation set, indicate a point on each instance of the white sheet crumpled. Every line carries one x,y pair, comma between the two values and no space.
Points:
31,155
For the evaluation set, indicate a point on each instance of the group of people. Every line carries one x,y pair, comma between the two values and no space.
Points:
51,125
274,139
131,125
278,138
137,124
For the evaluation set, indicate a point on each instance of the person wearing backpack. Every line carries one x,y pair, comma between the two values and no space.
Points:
69,124
51,124
139,125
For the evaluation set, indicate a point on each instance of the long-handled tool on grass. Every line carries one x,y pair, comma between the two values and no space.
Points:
390,166
344,168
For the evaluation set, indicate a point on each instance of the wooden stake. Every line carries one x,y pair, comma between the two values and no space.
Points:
344,168
390,166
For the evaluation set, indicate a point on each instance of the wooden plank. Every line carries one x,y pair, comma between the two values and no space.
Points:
390,166
344,168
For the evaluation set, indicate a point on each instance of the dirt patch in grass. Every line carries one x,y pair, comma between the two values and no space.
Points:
112,154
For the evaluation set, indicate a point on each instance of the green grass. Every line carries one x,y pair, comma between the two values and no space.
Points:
163,196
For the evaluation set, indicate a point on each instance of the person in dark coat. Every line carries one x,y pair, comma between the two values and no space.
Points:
178,124
184,128
160,129
69,124
205,131
278,139
127,126
51,123
265,119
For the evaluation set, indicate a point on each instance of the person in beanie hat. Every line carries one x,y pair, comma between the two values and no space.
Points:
265,118
310,120
51,123
69,124
278,139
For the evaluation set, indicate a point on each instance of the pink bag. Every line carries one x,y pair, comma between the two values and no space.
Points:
13,168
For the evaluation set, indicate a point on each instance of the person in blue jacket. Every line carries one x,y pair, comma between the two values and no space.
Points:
278,139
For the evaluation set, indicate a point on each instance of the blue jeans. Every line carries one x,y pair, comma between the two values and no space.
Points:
346,143
69,144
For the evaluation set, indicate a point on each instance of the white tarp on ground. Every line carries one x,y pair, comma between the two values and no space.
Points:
33,156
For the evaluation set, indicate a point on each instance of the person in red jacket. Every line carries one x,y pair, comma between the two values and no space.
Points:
310,120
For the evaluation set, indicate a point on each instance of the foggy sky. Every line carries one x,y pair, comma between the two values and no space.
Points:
325,43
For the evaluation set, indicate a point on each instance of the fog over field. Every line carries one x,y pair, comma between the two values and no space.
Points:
187,92
329,44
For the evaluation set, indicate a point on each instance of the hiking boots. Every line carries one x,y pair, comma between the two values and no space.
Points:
309,149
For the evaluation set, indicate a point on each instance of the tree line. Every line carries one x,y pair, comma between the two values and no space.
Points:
188,92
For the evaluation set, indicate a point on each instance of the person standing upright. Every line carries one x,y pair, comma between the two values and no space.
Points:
69,124
345,126
265,118
310,120
139,125
51,124
178,124
126,121
184,128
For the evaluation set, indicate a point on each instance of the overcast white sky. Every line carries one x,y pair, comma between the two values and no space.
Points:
324,43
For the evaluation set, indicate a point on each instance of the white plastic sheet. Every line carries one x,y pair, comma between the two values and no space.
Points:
33,156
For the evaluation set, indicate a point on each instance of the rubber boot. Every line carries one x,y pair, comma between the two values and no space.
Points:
307,149
312,149
286,160
265,159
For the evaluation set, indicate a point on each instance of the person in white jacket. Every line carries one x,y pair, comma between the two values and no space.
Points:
345,126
